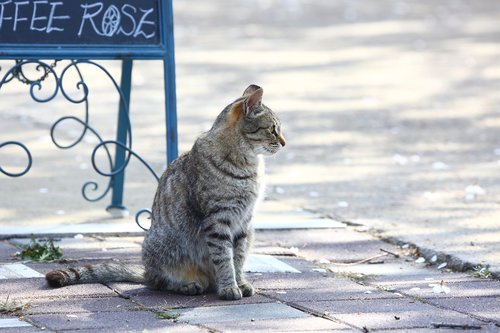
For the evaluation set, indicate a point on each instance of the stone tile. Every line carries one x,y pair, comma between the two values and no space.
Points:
83,242
17,271
280,281
13,323
413,275
258,263
153,298
482,307
245,312
485,328
383,271
299,263
31,329
128,290
71,305
387,313
108,321
38,288
73,229
275,215
337,245
175,327
122,254
338,289
306,223
306,324
183,301
478,288
7,252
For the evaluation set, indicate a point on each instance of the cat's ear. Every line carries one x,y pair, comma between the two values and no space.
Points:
250,90
253,98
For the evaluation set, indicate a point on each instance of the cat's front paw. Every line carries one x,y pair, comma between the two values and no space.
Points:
247,289
230,294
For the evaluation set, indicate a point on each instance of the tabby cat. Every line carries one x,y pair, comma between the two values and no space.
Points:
201,229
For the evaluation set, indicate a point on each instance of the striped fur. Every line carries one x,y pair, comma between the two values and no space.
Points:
201,230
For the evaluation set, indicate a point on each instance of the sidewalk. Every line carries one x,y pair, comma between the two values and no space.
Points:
390,110
307,280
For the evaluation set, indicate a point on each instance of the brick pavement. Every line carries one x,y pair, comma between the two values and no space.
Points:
330,294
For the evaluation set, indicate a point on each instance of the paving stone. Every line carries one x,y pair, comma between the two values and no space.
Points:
307,223
477,288
245,312
275,215
17,271
122,254
336,245
7,252
299,263
13,323
258,263
385,270
30,329
175,327
484,329
412,275
86,242
337,290
280,281
306,324
73,229
482,307
112,321
71,306
154,298
38,288
183,301
387,313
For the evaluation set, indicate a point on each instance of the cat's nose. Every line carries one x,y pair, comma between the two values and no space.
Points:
282,140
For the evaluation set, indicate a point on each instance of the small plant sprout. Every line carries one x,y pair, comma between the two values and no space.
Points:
167,315
12,306
482,272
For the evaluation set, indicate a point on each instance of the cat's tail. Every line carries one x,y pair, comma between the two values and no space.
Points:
100,273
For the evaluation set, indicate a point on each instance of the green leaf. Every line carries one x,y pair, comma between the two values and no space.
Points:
167,315
45,251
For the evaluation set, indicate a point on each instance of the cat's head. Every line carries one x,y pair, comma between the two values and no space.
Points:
256,123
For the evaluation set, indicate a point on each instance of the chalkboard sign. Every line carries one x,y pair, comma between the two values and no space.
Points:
98,29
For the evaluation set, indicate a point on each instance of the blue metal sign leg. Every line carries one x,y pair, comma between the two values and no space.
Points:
117,209
170,109
169,81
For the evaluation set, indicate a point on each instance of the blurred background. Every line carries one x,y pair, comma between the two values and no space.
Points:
390,109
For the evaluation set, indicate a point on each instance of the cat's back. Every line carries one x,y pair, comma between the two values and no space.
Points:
172,195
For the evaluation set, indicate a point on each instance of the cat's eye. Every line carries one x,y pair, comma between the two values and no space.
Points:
274,130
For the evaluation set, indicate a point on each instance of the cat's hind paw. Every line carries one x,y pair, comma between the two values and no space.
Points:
246,289
230,294
192,288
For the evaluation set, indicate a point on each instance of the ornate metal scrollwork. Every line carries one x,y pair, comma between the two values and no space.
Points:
45,72
26,150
